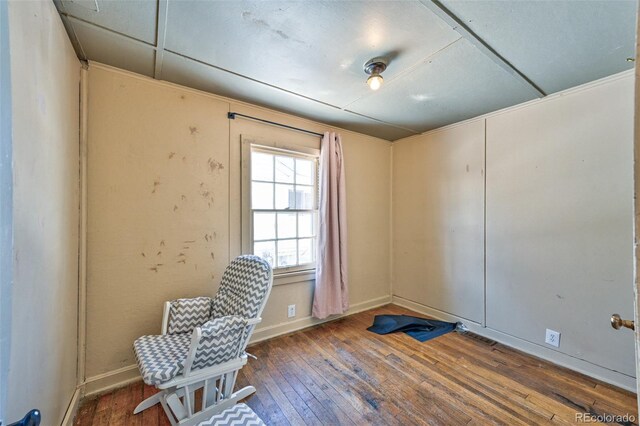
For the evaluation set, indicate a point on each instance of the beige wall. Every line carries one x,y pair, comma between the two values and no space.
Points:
157,207
560,222
559,193
164,180
45,90
438,220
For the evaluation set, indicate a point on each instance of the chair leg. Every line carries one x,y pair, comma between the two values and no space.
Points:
229,383
149,402
170,401
158,397
190,398
177,407
210,392
168,412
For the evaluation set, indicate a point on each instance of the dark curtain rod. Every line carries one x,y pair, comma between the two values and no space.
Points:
232,116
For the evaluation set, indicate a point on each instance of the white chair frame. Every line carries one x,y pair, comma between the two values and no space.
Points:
177,396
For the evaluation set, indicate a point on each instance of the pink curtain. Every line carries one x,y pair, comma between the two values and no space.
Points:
331,295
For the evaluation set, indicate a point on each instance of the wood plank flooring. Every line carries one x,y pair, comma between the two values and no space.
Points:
340,374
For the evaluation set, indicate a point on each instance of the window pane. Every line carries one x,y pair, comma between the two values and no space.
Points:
305,171
266,250
286,253
305,251
285,197
264,226
304,197
284,169
261,166
305,225
286,225
261,195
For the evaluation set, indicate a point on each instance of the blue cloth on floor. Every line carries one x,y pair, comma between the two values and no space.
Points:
421,329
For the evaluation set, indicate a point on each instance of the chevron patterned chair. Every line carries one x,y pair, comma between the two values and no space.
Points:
202,345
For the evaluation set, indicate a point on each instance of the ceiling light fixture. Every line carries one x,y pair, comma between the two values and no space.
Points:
374,67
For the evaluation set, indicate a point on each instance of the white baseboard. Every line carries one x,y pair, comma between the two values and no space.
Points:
581,366
272,331
123,376
111,380
72,409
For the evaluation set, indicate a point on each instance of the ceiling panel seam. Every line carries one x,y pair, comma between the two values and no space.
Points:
161,36
108,30
458,25
397,126
410,68
250,78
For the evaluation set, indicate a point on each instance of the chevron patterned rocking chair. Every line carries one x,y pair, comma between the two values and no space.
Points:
202,345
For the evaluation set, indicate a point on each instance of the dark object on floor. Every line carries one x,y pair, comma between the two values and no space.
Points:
421,329
31,419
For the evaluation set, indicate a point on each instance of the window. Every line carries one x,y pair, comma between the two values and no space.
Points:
283,209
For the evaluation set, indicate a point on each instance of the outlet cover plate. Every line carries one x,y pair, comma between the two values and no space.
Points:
552,338
291,311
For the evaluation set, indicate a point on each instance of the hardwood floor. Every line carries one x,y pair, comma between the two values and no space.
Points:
340,374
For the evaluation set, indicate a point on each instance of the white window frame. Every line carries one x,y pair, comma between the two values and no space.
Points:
282,275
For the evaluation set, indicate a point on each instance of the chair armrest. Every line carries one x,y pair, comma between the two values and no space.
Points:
184,315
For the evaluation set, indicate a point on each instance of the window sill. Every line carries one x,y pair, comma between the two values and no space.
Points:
293,277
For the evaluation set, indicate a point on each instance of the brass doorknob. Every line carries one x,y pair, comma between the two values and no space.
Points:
618,323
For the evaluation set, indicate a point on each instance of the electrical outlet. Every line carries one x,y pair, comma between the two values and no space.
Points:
552,338
291,311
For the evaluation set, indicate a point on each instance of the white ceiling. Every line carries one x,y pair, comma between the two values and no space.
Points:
449,60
